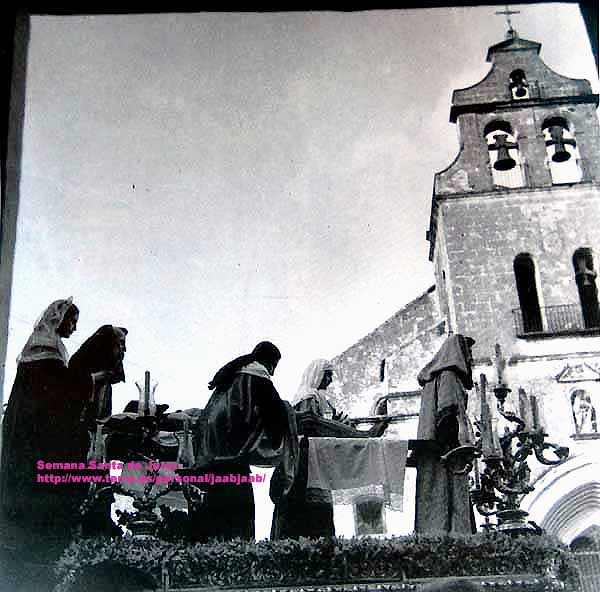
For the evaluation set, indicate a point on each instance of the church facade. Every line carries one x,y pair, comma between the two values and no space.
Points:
515,246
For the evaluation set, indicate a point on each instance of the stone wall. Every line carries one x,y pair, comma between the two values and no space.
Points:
484,233
406,342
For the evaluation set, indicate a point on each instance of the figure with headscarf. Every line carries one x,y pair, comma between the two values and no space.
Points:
305,511
43,421
243,412
33,426
442,500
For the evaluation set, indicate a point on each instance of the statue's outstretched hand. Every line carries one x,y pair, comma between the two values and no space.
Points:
340,416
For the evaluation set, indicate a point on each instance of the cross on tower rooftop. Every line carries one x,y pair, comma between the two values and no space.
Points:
510,33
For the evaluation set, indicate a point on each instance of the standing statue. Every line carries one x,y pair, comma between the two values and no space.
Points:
243,413
38,423
101,358
442,502
43,422
306,512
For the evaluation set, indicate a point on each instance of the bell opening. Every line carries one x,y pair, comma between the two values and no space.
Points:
520,92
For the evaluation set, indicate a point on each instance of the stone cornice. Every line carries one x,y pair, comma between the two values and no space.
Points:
512,583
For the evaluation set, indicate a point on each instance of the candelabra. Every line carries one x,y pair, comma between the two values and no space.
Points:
501,486
145,521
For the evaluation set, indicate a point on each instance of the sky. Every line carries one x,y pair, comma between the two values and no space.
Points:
213,180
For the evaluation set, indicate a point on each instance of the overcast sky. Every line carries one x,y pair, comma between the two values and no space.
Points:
212,180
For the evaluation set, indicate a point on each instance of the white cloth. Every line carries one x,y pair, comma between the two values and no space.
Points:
255,369
45,343
353,463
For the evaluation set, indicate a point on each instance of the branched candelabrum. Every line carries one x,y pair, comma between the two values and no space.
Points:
145,521
500,488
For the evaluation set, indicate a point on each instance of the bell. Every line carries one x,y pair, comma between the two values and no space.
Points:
519,84
586,278
502,145
560,155
520,91
504,162
559,142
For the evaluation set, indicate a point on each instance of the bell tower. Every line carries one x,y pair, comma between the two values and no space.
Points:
514,220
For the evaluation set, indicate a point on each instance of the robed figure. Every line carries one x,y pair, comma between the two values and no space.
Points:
442,500
244,413
41,423
44,421
94,368
304,511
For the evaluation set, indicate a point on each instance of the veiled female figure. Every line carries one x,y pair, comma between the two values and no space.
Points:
305,511
442,500
44,420
39,409
243,409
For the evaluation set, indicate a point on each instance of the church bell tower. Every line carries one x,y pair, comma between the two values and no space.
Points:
514,222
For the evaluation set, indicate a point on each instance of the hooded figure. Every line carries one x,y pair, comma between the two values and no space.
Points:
101,356
303,511
244,413
442,502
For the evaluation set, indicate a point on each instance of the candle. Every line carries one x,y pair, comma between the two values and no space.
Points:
185,455
541,414
140,408
535,416
146,393
525,408
476,473
486,422
496,448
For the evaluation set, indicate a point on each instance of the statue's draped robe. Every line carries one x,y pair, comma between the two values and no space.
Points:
99,353
236,420
42,423
442,499
304,511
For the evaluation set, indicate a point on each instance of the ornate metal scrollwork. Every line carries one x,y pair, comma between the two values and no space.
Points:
506,478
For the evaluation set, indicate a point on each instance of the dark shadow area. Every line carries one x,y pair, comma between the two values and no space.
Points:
15,38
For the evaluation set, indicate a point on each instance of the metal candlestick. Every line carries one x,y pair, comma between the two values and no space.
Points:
145,521
506,477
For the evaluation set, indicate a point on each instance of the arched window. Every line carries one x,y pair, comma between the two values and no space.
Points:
518,85
503,148
525,278
561,151
585,277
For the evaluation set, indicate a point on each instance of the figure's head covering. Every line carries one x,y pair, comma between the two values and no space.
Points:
455,355
264,352
311,379
45,342
100,352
